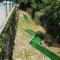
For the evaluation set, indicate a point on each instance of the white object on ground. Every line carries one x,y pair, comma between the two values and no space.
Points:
4,12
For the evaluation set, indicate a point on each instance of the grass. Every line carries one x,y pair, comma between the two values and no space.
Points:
26,19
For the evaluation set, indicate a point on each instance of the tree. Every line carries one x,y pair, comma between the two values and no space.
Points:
51,20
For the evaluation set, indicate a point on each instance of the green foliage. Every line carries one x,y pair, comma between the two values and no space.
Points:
33,4
51,19
1,44
24,1
7,36
36,4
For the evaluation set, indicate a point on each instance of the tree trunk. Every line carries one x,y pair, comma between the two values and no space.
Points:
33,13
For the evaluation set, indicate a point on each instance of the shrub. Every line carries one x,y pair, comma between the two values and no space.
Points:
51,19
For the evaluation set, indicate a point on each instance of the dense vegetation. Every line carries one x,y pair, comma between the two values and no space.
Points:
51,20
7,37
51,14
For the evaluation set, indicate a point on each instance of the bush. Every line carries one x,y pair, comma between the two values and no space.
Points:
51,19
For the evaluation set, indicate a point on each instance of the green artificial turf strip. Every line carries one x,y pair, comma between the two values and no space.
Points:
35,42
29,31
45,51
36,39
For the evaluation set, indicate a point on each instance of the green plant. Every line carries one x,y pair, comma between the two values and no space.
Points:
20,1
51,19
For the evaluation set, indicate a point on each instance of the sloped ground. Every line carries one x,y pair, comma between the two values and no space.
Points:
22,49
